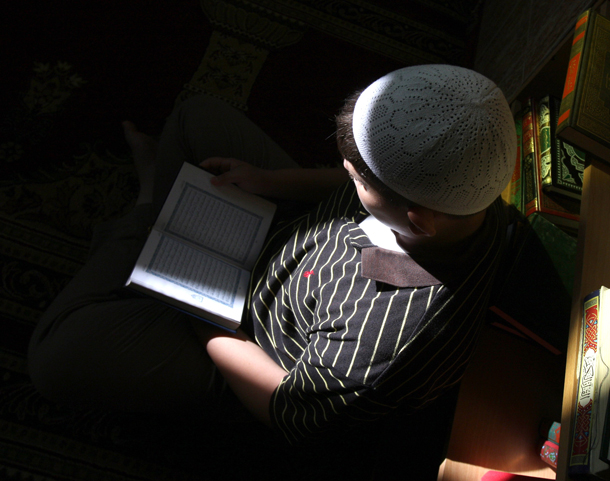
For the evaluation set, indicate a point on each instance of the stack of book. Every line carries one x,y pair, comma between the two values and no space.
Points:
550,449
549,171
557,136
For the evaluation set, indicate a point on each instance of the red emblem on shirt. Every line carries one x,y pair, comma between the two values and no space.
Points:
308,273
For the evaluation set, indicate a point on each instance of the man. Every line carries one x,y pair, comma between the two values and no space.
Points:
351,316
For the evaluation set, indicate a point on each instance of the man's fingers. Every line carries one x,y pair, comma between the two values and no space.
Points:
234,171
219,164
226,178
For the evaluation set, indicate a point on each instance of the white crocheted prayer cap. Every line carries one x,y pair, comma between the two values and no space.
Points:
441,136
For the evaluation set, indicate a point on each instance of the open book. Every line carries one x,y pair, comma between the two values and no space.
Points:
202,247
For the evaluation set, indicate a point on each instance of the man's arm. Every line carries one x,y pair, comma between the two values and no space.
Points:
310,185
250,372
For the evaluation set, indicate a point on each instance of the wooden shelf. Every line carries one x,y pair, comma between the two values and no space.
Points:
593,270
510,386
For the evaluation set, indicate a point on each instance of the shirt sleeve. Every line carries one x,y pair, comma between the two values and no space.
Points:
354,340
315,399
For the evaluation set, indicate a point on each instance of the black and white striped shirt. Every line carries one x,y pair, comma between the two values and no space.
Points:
359,329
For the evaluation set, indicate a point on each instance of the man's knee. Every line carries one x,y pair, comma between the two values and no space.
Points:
203,110
73,357
134,355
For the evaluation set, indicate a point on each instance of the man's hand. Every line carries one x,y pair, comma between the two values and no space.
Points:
233,171
308,185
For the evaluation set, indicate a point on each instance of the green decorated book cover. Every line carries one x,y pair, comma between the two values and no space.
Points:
560,210
563,165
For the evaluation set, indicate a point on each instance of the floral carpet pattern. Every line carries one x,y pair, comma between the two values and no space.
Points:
74,71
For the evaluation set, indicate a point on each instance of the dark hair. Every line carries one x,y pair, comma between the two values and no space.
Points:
349,150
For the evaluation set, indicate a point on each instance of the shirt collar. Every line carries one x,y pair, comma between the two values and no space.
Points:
401,270
383,265
395,268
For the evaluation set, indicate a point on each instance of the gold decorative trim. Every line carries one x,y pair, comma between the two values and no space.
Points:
60,252
238,49
60,456
247,30
463,12
368,26
269,30
228,70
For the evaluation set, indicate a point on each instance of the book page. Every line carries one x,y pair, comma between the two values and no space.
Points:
183,273
195,271
206,220
227,222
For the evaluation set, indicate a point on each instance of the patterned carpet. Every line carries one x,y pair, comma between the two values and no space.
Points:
72,72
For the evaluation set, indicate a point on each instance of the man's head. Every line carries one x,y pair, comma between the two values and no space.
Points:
441,136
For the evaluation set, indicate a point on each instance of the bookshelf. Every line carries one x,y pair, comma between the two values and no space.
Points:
593,270
510,385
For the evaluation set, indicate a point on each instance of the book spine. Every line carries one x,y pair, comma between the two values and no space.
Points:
531,202
556,212
516,197
579,456
544,140
567,162
568,98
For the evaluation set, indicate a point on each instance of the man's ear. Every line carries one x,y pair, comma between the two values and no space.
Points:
422,219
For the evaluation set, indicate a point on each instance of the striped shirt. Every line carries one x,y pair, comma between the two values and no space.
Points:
362,330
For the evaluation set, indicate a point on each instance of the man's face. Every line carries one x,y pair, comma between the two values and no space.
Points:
392,214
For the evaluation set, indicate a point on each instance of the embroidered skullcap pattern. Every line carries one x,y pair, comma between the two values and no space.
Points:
439,135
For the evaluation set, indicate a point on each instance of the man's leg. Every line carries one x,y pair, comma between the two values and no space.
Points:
98,346
203,127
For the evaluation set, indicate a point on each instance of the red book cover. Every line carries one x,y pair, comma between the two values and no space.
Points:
530,177
579,459
549,453
501,476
